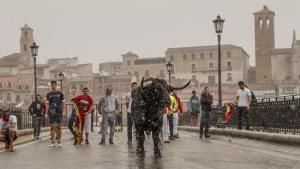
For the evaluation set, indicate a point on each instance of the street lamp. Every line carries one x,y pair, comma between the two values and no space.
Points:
34,52
218,23
61,78
219,28
170,67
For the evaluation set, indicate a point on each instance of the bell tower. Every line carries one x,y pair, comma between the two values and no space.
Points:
26,40
264,43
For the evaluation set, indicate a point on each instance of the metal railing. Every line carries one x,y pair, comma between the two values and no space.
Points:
276,115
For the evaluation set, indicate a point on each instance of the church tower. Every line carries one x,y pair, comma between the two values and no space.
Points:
264,43
26,40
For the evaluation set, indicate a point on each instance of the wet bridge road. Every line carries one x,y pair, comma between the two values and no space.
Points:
188,152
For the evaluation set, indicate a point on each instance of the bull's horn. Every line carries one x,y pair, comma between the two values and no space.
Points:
142,82
180,88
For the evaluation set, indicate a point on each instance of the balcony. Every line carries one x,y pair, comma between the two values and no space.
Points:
213,69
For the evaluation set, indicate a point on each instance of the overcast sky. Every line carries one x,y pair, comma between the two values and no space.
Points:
102,30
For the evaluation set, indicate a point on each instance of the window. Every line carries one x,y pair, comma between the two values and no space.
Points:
20,87
25,33
193,67
25,47
211,79
184,57
146,73
268,22
211,55
202,55
161,73
193,56
8,96
229,76
228,54
81,87
260,22
128,62
1,85
298,78
229,64
9,84
18,98
171,57
211,64
136,73
26,87
1,95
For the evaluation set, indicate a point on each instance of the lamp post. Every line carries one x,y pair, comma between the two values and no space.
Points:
61,78
218,23
219,28
170,67
34,52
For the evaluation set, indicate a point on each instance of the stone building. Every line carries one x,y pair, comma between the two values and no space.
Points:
197,63
281,65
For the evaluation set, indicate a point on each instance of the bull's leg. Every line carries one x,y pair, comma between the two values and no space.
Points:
155,137
140,137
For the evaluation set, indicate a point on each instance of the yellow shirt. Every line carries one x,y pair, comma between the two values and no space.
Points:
174,105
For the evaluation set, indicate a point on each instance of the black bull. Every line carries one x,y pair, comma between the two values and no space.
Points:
149,102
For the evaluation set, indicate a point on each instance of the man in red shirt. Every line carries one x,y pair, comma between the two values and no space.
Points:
84,104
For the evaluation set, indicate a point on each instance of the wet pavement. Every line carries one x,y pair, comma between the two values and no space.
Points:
188,152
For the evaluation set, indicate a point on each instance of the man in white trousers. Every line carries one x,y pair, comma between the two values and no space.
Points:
176,115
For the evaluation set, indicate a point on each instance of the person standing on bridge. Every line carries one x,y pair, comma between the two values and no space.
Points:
206,102
37,111
175,115
194,107
108,107
130,116
243,104
55,109
84,104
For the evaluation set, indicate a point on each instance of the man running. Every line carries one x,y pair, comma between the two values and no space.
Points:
84,103
54,109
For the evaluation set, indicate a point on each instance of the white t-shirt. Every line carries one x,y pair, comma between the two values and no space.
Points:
243,97
12,119
129,101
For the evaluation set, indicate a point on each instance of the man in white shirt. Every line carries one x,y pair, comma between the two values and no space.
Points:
130,116
243,104
8,130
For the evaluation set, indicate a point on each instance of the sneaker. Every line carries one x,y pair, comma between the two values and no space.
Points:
167,141
176,136
171,138
59,145
52,144
111,142
102,142
207,136
87,142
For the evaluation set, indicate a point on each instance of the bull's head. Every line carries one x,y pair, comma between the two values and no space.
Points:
162,87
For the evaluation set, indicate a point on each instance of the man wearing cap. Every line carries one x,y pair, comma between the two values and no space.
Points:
8,129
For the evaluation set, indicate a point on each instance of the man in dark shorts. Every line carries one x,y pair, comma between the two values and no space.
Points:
55,107
194,107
